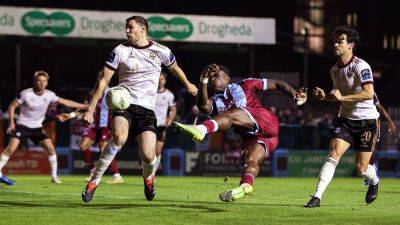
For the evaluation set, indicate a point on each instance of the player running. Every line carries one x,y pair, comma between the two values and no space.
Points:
138,64
165,110
358,117
33,104
236,105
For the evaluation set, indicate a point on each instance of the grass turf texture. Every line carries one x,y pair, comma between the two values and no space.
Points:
194,200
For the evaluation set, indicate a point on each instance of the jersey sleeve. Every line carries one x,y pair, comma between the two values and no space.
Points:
20,97
171,100
167,57
114,59
364,73
254,84
54,97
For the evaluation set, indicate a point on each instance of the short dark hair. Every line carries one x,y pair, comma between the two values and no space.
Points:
140,20
164,74
225,69
352,35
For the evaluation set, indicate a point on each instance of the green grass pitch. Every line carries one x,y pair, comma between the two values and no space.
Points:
194,200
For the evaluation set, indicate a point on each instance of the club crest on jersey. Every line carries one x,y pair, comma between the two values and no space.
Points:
366,74
350,74
152,55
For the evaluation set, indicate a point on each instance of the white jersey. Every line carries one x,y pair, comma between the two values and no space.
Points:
164,100
349,79
139,70
33,107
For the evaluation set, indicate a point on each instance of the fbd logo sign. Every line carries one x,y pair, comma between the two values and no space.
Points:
58,23
177,27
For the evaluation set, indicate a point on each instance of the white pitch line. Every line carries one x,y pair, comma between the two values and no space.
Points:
55,194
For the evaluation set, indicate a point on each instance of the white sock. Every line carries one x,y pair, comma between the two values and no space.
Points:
3,161
325,176
370,174
53,165
203,129
158,161
105,160
149,169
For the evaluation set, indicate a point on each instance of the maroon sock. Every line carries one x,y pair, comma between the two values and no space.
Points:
247,178
209,125
87,157
114,167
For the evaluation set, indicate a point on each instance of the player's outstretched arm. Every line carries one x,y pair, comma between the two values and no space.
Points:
300,96
392,126
11,112
72,104
178,72
102,83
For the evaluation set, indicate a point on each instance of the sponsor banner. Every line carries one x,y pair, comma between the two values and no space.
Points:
32,161
309,163
218,164
111,25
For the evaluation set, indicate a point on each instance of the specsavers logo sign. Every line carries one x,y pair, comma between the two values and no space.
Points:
177,27
27,21
37,22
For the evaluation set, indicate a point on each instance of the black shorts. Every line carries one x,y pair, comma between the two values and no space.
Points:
35,134
362,135
161,132
140,119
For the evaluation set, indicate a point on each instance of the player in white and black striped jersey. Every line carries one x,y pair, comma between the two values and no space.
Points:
358,117
33,104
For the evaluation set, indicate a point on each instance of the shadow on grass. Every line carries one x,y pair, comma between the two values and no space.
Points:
108,206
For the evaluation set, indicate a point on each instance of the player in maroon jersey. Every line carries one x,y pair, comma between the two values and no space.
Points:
236,105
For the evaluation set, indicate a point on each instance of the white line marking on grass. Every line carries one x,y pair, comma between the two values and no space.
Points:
66,195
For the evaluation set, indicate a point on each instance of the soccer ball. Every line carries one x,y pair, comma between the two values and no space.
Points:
118,98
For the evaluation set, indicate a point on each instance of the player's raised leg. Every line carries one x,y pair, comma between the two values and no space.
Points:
120,128
147,145
5,156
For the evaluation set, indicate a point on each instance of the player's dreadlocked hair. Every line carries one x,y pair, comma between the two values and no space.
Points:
140,20
352,35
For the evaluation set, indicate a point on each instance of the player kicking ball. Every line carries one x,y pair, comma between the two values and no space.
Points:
236,105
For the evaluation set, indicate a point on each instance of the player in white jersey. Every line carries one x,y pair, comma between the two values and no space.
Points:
138,63
165,113
33,104
358,117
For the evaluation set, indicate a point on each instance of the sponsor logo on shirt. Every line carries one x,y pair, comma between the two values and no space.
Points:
152,55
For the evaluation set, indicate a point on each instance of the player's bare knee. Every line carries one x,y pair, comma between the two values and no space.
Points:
119,140
361,167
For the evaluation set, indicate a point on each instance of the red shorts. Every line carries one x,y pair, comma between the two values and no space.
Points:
266,121
267,132
269,144
97,134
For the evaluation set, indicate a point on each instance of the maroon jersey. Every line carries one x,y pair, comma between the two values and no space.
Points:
239,95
